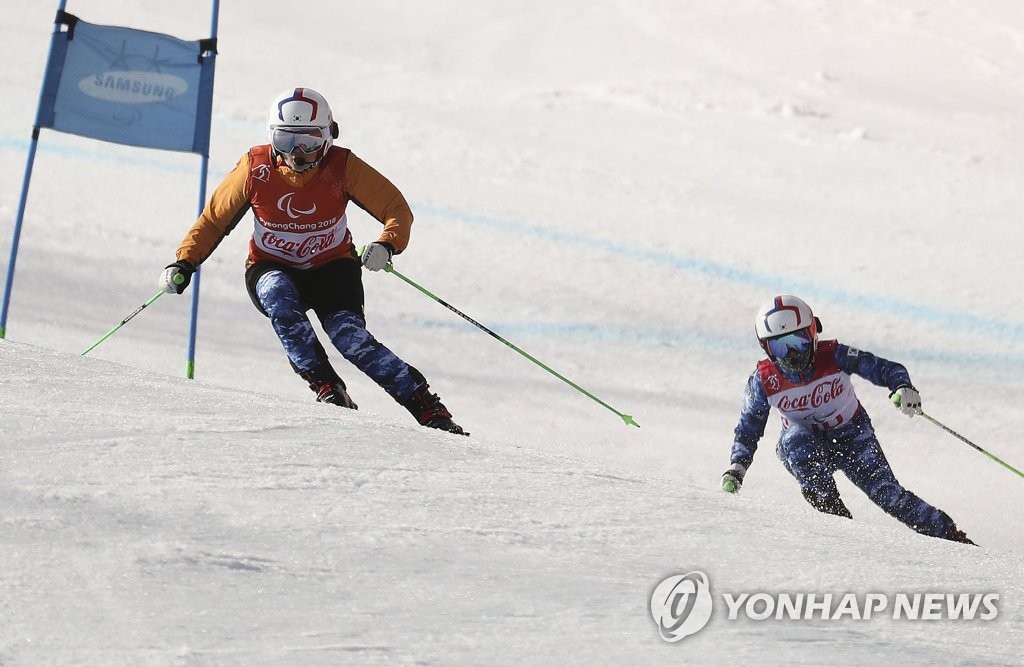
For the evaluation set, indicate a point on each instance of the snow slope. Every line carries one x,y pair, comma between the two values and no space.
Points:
614,187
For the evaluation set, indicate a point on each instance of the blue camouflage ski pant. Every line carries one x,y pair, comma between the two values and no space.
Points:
279,296
814,457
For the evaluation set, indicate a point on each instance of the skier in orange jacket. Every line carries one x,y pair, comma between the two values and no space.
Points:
301,253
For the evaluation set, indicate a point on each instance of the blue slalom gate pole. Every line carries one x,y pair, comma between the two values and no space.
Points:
23,198
190,362
8,284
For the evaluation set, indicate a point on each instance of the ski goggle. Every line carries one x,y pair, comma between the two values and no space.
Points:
781,346
306,140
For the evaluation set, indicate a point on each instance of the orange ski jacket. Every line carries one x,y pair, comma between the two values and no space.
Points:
299,218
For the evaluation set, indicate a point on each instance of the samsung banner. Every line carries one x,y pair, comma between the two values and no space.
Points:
124,86
128,86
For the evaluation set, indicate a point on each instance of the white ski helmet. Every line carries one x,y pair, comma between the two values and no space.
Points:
788,332
301,127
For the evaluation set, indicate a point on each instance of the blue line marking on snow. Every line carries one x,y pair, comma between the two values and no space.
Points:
158,162
950,319
995,365
610,333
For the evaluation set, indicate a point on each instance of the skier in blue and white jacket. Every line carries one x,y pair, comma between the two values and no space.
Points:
824,426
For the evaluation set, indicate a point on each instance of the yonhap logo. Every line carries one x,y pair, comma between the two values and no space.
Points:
681,605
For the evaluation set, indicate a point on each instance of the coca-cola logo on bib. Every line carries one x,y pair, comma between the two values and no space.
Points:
311,244
817,396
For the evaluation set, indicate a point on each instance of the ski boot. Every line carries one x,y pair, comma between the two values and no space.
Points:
328,387
957,535
429,411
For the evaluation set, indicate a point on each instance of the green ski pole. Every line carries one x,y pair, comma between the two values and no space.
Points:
627,419
178,279
963,439
896,402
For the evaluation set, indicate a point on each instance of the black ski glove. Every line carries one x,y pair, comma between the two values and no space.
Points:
732,479
177,276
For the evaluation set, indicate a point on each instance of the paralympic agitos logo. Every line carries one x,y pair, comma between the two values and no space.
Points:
284,204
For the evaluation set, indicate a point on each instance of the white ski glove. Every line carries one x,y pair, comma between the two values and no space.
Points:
176,277
908,400
732,479
377,255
